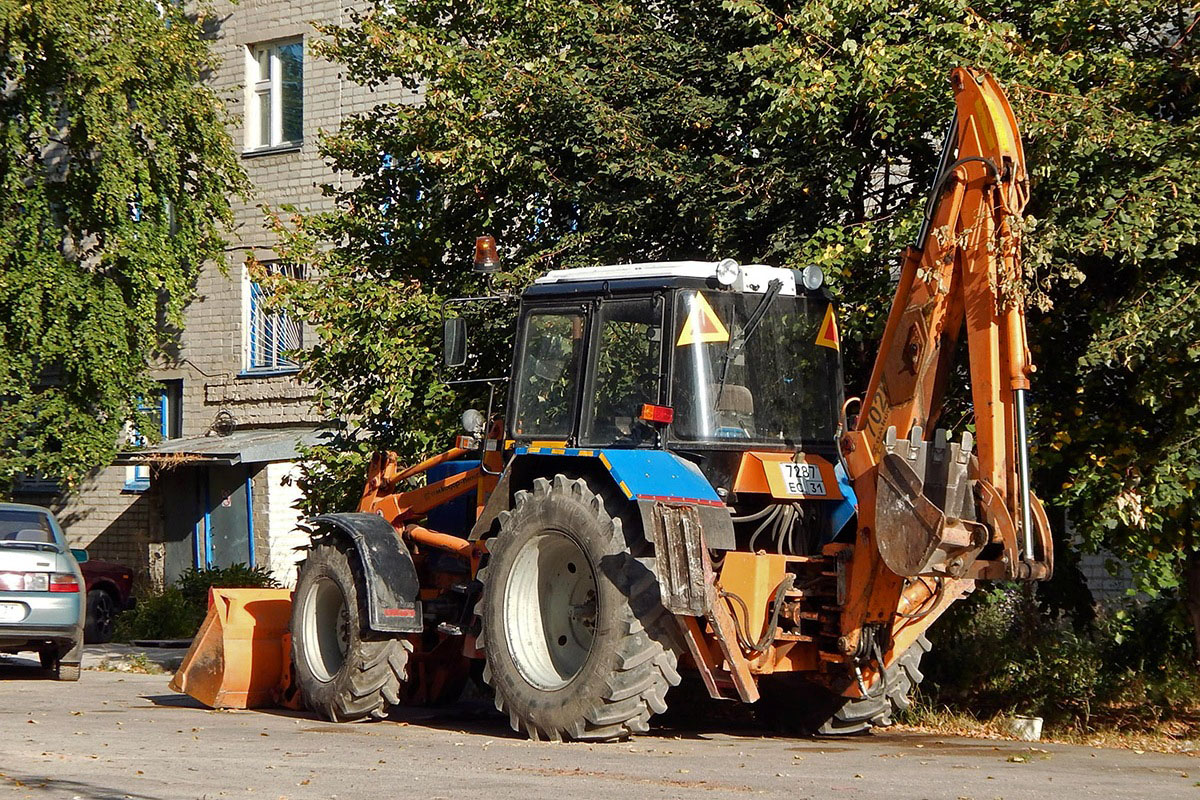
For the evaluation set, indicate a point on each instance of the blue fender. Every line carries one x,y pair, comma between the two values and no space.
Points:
646,477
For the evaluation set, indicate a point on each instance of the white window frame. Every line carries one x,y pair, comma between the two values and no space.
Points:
275,326
271,86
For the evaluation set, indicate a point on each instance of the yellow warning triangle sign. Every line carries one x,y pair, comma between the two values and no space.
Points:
702,324
827,334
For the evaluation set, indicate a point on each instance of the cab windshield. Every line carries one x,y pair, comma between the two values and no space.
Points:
755,367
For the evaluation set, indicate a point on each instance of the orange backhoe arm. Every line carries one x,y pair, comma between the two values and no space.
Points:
924,535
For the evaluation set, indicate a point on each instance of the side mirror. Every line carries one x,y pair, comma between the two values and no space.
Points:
454,342
80,554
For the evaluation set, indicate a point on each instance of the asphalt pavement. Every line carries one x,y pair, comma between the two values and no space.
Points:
125,735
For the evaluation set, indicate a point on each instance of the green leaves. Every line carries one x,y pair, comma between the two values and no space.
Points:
115,177
789,133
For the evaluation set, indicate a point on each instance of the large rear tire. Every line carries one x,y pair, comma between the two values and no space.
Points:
577,641
345,672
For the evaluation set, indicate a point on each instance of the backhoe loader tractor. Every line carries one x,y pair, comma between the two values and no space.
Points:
674,488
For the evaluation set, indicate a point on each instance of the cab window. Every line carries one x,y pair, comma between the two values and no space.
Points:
628,371
548,383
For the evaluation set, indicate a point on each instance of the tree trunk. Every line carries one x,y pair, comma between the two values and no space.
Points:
1191,578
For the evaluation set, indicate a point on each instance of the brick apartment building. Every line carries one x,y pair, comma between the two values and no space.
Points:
216,490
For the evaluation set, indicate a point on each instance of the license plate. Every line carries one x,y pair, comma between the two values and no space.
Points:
802,478
12,612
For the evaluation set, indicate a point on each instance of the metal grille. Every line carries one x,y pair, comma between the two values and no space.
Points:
273,334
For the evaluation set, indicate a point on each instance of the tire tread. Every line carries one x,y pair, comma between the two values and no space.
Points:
377,668
645,668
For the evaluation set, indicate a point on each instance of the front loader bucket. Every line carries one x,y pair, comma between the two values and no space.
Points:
239,658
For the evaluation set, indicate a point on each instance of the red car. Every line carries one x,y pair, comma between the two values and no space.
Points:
109,592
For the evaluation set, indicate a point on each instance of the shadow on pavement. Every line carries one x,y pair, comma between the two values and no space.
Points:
174,701
21,668
77,788
476,714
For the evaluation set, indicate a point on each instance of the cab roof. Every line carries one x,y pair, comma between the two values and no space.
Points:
751,277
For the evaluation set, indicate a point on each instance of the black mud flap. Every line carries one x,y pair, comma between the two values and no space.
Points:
388,570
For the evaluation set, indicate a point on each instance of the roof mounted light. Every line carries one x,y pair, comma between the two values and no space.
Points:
487,260
727,272
812,277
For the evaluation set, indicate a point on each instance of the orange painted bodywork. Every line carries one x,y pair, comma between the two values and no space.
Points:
240,657
759,474
404,509
966,277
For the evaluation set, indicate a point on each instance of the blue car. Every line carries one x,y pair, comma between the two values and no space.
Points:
41,589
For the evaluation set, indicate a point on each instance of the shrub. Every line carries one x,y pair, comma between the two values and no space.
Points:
177,611
195,583
165,615
1001,651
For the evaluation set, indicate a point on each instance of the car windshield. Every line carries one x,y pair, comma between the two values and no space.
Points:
757,367
20,525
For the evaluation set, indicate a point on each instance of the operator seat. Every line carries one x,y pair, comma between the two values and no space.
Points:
734,410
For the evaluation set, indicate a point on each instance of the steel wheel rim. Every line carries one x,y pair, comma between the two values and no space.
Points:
549,610
326,629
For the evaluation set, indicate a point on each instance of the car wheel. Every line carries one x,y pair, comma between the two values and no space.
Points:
66,672
101,616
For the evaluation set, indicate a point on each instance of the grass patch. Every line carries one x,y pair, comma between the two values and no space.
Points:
1176,737
1125,679
137,663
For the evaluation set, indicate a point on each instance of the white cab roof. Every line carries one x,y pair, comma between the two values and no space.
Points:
751,277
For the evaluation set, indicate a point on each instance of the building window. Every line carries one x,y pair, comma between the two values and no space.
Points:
272,333
274,94
164,412
27,483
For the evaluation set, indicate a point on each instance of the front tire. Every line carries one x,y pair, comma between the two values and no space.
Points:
577,641
345,672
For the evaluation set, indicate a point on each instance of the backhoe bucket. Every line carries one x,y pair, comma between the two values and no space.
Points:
240,658
924,509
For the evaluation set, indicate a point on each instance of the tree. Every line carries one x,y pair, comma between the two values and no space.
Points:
1107,100
115,176
576,133
791,133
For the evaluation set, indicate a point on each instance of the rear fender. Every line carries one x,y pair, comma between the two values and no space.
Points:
392,586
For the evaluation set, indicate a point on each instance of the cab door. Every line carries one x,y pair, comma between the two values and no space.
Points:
626,372
548,374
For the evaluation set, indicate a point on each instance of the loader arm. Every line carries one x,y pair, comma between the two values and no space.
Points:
934,515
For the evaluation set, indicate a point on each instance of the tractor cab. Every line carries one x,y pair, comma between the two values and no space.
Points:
707,360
